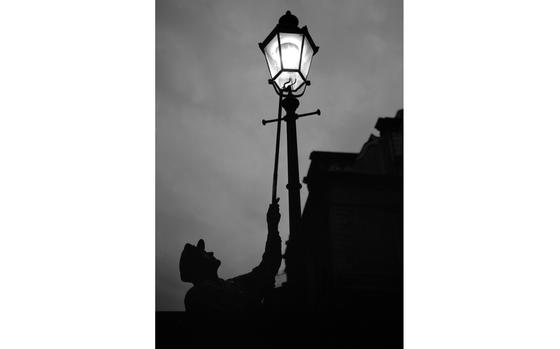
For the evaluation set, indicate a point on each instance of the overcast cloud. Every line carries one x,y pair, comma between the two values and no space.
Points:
214,158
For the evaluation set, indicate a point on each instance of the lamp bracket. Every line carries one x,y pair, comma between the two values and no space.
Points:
316,112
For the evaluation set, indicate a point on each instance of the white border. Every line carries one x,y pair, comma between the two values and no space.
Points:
78,176
482,175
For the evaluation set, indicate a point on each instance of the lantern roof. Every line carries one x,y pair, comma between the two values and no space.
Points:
288,23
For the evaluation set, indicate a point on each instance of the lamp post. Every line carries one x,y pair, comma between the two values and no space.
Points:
288,51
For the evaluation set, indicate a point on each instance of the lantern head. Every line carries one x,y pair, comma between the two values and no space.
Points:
289,50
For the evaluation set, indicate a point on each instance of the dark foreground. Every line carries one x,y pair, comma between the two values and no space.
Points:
281,329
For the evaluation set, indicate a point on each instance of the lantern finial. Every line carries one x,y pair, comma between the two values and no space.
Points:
288,21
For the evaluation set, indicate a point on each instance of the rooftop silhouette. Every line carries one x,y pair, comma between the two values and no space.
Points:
349,254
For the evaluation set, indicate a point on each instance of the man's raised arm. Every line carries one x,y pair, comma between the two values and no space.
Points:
263,276
272,257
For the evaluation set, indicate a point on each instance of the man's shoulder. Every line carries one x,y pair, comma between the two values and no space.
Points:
207,286
203,293
219,295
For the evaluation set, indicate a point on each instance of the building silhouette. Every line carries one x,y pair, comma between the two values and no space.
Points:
352,222
348,260
349,252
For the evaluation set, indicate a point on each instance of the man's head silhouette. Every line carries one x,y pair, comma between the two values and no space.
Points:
198,265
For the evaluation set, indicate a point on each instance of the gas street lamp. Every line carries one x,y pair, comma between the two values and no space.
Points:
288,51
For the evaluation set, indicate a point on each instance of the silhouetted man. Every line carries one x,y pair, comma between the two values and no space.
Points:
240,295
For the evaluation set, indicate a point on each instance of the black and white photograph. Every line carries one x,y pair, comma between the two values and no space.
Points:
239,173
279,147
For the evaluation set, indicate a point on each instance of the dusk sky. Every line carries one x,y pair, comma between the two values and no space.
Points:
214,159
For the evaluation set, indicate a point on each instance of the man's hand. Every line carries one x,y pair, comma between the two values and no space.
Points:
273,215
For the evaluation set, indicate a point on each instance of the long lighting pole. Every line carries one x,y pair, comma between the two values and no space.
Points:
277,150
288,51
290,104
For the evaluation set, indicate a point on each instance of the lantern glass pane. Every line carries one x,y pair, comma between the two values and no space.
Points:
306,58
287,79
272,56
290,44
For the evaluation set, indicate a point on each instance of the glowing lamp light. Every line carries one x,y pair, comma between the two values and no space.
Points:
289,50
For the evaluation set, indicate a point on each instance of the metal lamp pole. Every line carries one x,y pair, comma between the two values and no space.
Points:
290,104
288,51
